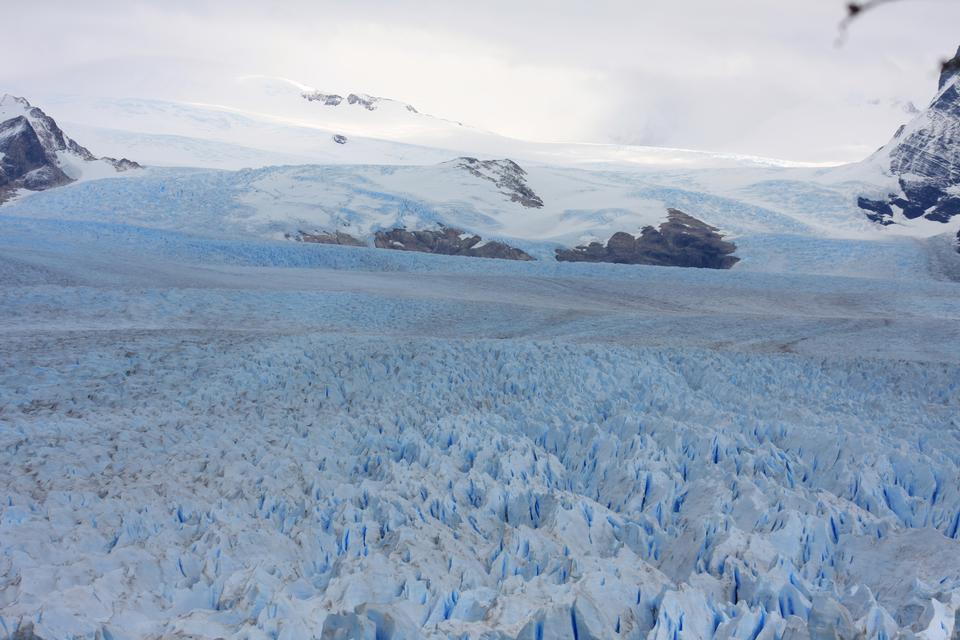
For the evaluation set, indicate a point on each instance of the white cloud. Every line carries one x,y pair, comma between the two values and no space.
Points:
751,76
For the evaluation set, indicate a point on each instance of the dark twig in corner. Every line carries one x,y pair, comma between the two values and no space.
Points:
855,10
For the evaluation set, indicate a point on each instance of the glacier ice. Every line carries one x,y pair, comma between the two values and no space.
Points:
366,445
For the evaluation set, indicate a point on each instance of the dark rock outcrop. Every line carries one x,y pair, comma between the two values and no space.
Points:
681,241
327,99
370,103
31,146
925,156
507,175
26,163
880,210
447,241
367,102
122,164
340,139
322,237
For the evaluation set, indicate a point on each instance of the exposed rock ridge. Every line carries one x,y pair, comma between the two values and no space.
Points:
370,103
507,175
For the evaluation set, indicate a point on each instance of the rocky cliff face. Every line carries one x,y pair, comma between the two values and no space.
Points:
24,162
681,241
925,156
507,175
34,151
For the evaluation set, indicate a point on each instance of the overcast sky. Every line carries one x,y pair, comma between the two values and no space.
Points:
749,76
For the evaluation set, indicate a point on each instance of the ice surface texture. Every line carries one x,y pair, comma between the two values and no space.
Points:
455,448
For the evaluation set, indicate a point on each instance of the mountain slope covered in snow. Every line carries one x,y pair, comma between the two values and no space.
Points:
535,198
924,158
272,116
35,154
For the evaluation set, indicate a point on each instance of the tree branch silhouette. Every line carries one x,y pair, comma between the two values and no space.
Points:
857,9
854,11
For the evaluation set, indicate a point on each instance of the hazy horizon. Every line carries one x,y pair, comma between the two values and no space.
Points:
741,77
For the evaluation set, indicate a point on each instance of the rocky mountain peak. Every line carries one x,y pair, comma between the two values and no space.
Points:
24,161
370,103
925,157
35,152
51,136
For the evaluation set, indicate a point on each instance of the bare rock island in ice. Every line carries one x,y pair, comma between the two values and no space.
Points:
681,241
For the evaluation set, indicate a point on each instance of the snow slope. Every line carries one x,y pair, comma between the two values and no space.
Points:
175,134
407,446
288,124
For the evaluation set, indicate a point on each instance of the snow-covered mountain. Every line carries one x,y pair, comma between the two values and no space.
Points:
25,162
924,156
271,121
35,154
354,166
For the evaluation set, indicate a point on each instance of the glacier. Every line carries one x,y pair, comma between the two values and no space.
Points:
208,430
212,431
228,437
